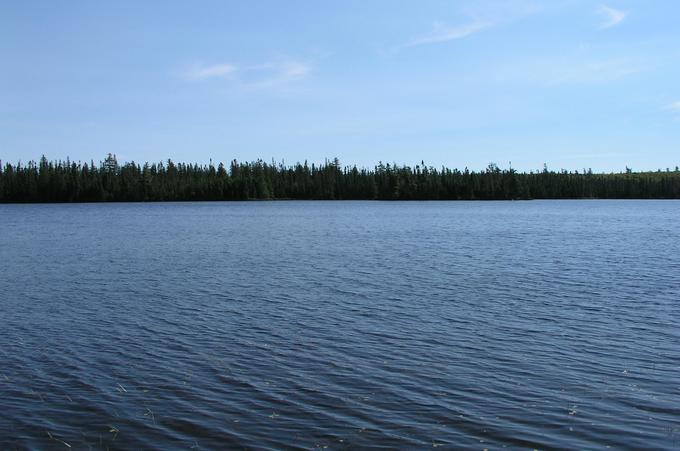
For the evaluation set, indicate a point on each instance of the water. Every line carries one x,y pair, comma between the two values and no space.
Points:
551,324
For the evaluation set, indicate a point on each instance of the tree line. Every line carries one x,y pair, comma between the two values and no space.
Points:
107,181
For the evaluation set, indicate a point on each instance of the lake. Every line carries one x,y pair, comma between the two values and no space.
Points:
340,325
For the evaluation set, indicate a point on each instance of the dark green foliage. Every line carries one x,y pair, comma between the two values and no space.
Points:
65,181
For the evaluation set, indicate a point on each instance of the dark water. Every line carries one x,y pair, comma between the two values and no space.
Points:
340,325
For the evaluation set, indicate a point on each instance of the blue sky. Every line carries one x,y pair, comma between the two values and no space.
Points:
571,83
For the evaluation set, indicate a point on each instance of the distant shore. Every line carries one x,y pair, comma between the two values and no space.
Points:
108,181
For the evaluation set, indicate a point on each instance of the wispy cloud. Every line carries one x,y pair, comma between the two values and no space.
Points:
593,72
296,69
481,16
442,33
265,74
612,17
675,107
201,72
570,69
292,70
274,73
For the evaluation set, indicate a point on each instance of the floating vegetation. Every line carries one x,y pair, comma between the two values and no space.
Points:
52,437
149,413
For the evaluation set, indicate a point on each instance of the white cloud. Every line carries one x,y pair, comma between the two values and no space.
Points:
442,33
265,74
201,72
612,17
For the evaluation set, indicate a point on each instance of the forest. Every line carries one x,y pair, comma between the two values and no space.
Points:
109,181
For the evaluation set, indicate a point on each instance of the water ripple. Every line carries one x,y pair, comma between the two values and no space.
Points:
304,325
